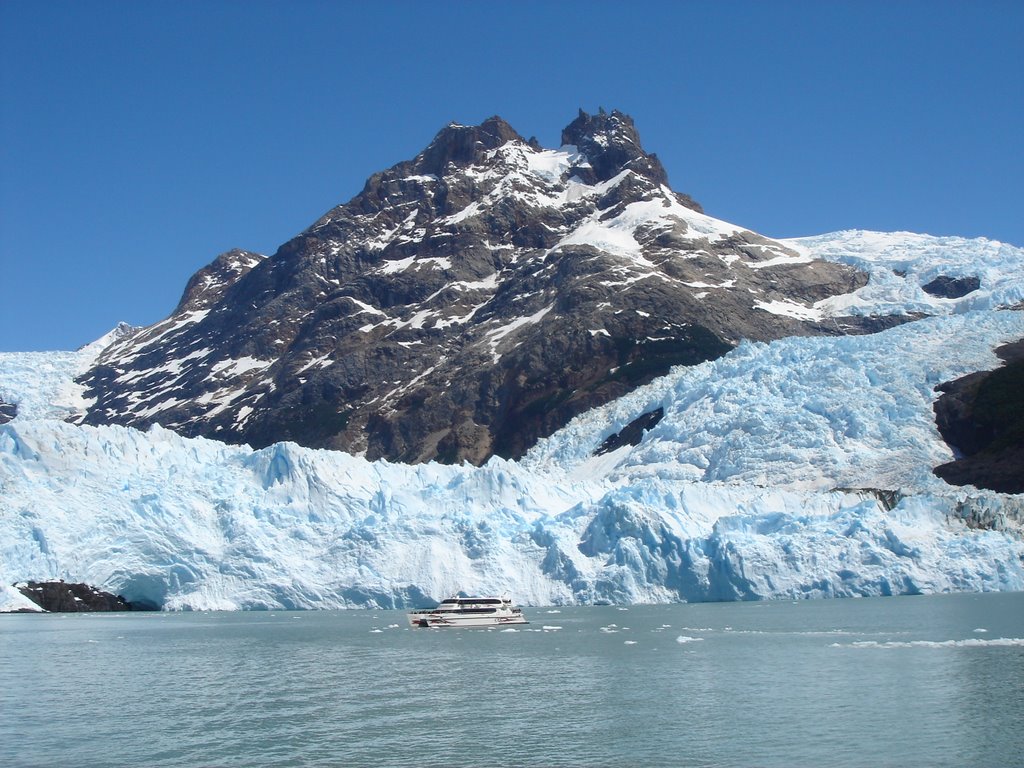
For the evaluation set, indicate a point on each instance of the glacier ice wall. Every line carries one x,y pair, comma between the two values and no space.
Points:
762,480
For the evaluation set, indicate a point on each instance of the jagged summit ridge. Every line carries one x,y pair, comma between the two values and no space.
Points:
463,304
463,144
611,144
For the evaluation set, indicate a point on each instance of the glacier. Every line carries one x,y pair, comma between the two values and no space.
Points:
799,468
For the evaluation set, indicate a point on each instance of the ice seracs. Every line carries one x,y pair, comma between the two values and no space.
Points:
902,264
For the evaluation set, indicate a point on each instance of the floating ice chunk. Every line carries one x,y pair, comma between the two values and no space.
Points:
1000,642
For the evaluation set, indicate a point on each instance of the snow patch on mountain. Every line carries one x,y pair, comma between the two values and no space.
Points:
552,164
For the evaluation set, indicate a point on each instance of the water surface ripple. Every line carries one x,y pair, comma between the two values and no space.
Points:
922,681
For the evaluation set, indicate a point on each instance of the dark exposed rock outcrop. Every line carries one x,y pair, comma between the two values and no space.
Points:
632,433
610,143
948,287
63,597
982,416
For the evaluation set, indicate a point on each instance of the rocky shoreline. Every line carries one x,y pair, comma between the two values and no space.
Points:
63,597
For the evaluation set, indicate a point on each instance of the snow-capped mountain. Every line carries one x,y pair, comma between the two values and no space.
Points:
467,302
799,467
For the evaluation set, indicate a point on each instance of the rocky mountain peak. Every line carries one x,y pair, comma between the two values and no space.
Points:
611,143
206,287
466,303
464,144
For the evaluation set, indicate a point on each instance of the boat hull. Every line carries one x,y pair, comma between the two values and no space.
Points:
469,612
431,620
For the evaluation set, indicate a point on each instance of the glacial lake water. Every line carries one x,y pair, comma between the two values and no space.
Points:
907,681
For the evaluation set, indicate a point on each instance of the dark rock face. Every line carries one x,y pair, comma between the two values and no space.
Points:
632,433
7,411
952,287
208,286
610,143
61,597
466,303
982,417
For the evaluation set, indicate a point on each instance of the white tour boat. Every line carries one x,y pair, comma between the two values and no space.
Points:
469,612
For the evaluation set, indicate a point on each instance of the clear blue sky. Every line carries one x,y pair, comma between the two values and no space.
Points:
139,140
